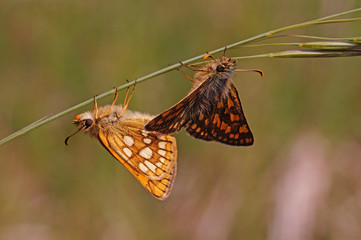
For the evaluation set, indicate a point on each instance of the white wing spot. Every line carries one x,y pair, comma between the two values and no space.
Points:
122,155
159,164
128,140
147,140
162,138
143,167
146,153
150,165
161,152
162,144
162,159
127,152
144,134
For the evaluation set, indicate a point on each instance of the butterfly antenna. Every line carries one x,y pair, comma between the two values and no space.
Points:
250,70
209,56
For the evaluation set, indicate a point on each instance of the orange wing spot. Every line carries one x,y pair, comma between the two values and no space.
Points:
181,114
198,129
230,103
160,121
223,126
216,119
165,114
206,121
243,129
202,133
77,117
241,141
171,116
236,136
226,111
220,104
234,117
231,135
228,129
179,106
248,140
201,117
218,123
214,134
194,126
159,172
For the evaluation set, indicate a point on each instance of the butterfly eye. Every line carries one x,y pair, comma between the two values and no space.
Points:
220,68
88,123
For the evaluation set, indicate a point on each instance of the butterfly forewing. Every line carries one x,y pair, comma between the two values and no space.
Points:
173,119
150,157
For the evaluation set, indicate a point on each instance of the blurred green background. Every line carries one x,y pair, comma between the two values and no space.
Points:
300,180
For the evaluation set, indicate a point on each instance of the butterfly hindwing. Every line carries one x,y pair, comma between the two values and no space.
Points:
227,123
150,158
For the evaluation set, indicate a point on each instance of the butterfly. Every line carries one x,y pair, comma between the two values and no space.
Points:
150,157
212,111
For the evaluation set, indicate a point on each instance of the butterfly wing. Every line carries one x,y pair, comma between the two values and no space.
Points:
199,101
151,158
173,119
227,123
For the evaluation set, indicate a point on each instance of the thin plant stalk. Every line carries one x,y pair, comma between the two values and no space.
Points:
323,20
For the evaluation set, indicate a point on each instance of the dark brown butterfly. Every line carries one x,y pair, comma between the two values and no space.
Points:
212,111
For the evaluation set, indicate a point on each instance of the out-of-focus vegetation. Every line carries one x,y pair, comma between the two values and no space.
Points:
301,179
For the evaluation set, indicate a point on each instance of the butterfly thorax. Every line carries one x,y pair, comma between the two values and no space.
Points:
92,124
215,79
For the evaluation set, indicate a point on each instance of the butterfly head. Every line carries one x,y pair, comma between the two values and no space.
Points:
85,122
219,66
224,65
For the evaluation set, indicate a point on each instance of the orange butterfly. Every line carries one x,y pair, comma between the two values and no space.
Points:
212,111
150,157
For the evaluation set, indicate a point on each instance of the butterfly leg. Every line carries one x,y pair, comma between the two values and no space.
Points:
126,102
185,75
95,108
189,66
224,51
115,97
110,108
